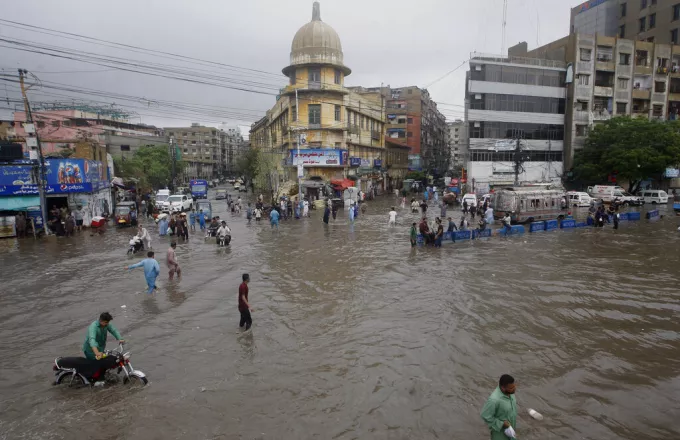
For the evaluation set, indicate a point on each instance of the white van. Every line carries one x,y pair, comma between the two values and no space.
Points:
579,199
654,196
609,193
471,199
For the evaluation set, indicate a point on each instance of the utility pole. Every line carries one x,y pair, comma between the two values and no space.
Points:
518,161
41,160
299,159
174,162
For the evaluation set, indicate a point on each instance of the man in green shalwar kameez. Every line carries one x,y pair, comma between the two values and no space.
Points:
500,410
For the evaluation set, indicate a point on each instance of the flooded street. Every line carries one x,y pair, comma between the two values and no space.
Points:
355,334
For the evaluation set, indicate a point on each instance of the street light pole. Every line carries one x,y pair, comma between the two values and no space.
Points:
299,164
41,160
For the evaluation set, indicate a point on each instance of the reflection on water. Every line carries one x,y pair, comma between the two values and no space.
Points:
355,335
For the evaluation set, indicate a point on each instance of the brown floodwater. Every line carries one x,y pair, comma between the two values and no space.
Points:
355,335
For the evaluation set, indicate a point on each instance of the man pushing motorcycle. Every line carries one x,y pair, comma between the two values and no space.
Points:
95,340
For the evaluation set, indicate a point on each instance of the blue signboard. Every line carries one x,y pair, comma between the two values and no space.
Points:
62,176
377,163
320,157
355,161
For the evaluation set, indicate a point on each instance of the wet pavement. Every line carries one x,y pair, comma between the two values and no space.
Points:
355,335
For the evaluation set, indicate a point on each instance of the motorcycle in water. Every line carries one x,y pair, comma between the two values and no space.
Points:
211,231
136,245
80,371
223,240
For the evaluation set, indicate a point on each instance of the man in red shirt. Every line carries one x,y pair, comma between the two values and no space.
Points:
243,305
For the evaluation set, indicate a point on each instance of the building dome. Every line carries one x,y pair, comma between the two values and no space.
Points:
316,43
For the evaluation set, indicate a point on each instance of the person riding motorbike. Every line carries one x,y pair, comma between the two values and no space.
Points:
95,340
225,232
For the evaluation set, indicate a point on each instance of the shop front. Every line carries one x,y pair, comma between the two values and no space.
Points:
319,167
72,183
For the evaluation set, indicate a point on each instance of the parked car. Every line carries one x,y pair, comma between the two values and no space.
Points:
654,196
609,193
579,199
221,194
178,203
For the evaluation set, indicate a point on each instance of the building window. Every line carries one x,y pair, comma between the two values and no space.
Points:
622,83
652,21
650,39
585,54
55,123
583,80
643,22
293,111
314,75
621,108
581,130
337,112
410,120
293,77
624,59
676,12
659,87
674,36
314,111
124,148
338,145
622,31
657,110
337,77
641,58
623,9
643,4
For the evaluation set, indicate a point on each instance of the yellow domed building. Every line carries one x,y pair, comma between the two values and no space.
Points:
343,127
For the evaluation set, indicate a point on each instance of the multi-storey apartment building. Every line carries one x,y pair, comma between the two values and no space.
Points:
653,21
457,143
203,149
515,117
611,76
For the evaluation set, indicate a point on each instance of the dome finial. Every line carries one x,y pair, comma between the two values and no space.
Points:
316,12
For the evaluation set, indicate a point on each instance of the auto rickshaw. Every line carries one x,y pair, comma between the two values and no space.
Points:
123,214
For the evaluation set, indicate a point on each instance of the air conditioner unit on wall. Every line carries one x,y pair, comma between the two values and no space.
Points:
477,124
478,96
478,68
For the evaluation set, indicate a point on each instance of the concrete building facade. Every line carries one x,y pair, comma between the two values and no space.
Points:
458,143
613,76
653,21
515,113
203,149
340,129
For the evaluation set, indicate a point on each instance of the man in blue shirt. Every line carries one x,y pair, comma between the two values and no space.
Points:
192,220
274,218
95,340
151,270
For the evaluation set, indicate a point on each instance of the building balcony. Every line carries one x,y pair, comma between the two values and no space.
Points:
584,67
607,91
641,112
662,71
675,71
583,91
622,95
601,115
642,94
674,96
643,70
659,97
313,86
605,65
375,135
582,116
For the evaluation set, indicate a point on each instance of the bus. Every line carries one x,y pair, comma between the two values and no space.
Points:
199,189
528,204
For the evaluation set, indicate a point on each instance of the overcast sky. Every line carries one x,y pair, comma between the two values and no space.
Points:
396,42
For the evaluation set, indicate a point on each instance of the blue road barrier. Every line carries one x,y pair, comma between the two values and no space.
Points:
550,225
514,230
537,226
567,224
420,240
623,216
448,236
632,216
462,235
481,234
581,225
652,214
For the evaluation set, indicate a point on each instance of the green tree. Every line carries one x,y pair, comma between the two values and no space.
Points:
633,149
247,164
151,165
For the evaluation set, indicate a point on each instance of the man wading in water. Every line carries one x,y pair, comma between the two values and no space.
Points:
243,305
500,410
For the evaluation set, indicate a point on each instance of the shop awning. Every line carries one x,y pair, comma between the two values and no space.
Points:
18,203
342,184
